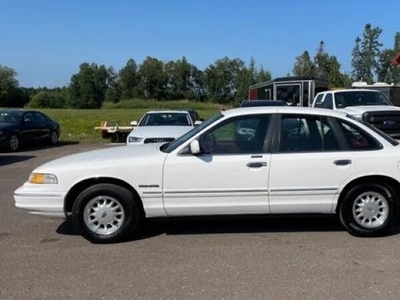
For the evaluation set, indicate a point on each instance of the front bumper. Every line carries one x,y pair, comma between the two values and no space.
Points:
38,202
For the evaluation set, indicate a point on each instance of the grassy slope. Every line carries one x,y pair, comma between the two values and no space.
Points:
78,124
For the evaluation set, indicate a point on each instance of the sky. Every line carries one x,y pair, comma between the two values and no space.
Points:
45,41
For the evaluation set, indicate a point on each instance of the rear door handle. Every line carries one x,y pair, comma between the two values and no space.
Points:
342,162
256,164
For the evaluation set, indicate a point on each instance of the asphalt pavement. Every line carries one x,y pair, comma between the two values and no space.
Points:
244,258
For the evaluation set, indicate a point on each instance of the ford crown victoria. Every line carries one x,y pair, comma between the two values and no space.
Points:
294,160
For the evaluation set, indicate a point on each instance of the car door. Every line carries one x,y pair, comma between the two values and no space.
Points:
230,176
28,129
42,126
309,165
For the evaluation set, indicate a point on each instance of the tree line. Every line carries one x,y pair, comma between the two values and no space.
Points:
224,81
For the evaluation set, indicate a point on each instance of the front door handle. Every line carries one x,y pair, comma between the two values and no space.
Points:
342,162
256,164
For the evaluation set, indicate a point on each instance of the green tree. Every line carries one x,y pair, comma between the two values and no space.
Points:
114,91
128,80
386,72
221,79
322,62
358,70
304,66
396,48
10,93
184,80
152,79
365,54
89,86
263,75
385,67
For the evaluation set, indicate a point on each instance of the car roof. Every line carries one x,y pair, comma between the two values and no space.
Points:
283,110
249,103
166,111
349,90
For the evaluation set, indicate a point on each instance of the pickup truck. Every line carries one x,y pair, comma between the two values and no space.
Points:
367,105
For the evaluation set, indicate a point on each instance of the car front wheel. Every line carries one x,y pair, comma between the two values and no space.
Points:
53,138
369,209
106,213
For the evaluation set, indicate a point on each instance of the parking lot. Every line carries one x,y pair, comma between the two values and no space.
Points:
257,258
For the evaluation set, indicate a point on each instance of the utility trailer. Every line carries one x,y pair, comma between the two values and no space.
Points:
300,90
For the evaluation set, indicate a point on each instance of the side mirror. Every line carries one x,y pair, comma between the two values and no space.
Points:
27,120
195,147
134,123
197,123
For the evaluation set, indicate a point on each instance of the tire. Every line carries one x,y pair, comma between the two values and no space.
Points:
369,209
106,213
13,143
53,138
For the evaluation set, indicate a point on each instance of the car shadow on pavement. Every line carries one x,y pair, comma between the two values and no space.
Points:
237,224
251,224
12,159
210,225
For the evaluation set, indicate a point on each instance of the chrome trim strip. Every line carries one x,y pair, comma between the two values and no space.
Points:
216,191
304,189
38,195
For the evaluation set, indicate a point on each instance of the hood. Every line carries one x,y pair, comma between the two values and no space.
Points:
113,156
7,126
359,110
160,131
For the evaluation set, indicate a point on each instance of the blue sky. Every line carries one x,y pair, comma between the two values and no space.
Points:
45,41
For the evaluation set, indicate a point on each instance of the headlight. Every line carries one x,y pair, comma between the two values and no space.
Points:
134,139
358,116
42,178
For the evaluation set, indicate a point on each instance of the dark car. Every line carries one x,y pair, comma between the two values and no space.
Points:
21,127
194,115
252,103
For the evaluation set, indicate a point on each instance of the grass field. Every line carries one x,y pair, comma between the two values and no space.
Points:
77,125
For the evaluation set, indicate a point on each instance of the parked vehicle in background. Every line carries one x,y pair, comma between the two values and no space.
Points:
196,119
296,161
162,126
298,90
370,106
20,127
252,103
391,91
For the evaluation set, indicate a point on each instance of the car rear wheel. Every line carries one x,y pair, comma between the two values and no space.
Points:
13,143
54,138
369,209
106,213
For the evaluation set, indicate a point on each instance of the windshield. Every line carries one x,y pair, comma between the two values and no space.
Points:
10,116
165,119
358,98
168,148
376,130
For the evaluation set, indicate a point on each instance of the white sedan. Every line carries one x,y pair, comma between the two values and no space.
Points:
296,160
160,127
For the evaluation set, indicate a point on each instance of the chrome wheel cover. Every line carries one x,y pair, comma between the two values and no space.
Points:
370,210
103,215
54,138
13,143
